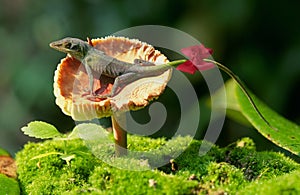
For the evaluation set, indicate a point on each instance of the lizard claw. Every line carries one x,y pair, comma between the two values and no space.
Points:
97,98
103,96
92,93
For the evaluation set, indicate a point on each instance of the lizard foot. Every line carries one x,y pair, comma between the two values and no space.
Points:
92,96
97,98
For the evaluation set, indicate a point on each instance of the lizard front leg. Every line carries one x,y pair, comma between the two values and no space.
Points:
91,79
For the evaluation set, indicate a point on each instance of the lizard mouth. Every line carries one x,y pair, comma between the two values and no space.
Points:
56,45
71,82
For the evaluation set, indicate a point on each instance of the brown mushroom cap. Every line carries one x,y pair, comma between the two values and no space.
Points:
71,81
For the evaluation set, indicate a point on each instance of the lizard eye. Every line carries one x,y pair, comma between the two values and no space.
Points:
75,47
68,45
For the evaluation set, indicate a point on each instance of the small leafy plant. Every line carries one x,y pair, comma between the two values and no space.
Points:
43,130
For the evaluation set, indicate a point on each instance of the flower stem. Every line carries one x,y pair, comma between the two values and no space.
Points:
243,88
120,137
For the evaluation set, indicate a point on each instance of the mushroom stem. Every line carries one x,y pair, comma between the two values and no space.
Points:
120,136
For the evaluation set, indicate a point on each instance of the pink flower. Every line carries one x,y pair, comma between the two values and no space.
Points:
196,54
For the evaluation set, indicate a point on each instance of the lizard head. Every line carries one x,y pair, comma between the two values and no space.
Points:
72,46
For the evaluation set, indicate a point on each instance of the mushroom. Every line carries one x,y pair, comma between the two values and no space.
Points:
72,93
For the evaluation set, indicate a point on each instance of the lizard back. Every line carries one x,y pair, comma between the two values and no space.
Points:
101,63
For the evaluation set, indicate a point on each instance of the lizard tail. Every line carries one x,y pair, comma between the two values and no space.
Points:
158,69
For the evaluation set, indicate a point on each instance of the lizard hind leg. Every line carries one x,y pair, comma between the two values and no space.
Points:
121,82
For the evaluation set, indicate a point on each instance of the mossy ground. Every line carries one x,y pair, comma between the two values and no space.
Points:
237,168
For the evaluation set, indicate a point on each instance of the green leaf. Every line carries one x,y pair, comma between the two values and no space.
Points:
97,139
88,131
42,130
4,152
84,129
75,132
9,185
68,157
284,133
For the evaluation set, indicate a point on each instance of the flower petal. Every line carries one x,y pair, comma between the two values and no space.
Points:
187,67
196,55
205,66
197,50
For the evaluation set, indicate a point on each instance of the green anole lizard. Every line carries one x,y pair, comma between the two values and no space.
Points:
96,61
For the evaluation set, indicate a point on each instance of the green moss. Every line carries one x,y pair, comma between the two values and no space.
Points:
231,169
285,184
256,165
115,181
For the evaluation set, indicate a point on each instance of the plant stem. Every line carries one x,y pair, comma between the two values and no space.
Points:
243,88
120,137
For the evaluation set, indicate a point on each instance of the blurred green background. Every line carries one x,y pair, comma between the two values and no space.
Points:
258,40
